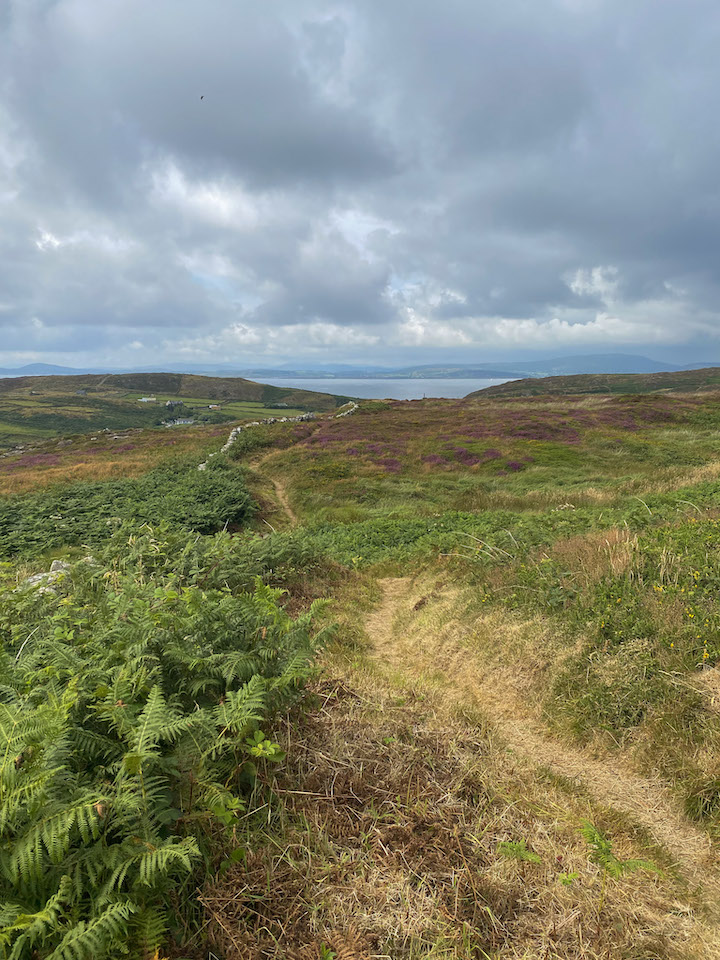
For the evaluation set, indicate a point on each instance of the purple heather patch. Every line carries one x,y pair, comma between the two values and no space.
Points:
465,456
513,465
434,458
492,454
34,460
390,465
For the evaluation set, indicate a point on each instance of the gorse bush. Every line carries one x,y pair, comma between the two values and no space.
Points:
88,512
131,698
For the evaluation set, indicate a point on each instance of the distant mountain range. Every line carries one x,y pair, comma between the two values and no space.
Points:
508,370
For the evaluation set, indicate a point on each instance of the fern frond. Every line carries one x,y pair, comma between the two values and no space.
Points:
32,929
242,707
150,926
54,835
94,939
157,863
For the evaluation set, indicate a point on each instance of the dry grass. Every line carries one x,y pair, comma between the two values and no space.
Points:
388,847
596,554
674,478
85,462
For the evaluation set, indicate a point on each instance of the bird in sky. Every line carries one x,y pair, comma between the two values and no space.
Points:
202,97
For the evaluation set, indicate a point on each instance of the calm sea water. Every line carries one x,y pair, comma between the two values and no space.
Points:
385,389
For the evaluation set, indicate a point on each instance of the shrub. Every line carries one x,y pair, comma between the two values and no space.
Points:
86,513
130,703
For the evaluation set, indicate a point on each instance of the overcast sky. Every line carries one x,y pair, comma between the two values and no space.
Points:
361,181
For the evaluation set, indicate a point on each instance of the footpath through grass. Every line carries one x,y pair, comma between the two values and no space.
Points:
579,540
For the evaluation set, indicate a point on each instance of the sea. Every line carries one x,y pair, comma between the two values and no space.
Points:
400,389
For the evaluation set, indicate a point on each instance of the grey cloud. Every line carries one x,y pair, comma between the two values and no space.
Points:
396,171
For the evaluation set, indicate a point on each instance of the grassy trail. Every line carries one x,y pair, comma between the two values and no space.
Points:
396,634
277,483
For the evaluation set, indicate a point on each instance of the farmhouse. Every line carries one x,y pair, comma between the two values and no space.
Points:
178,423
147,400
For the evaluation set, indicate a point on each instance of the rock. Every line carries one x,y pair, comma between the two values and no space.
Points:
43,581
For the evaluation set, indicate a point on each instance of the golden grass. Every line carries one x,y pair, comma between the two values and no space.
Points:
152,449
596,554
387,845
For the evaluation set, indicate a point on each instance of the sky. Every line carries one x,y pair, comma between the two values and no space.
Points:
206,181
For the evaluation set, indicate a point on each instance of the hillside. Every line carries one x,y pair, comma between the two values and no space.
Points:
47,406
681,381
178,384
501,739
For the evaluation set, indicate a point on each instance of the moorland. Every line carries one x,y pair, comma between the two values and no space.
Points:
50,406
414,679
705,378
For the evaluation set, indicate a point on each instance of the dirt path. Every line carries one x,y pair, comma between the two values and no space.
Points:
281,494
278,486
610,782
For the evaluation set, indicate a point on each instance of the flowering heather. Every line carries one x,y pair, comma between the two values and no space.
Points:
513,465
94,451
390,465
34,460
465,456
492,454
434,458
352,452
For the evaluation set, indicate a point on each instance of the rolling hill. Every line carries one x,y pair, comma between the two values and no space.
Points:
48,406
679,381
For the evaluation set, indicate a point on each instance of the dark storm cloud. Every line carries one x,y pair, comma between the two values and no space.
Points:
358,178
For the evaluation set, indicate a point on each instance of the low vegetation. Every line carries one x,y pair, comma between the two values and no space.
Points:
511,750
84,514
684,381
133,690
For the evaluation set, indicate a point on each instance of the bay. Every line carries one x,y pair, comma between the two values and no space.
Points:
390,389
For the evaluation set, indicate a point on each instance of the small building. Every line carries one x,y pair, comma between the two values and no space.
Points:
171,404
214,406
147,400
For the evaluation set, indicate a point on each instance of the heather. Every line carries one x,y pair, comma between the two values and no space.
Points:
433,455
517,702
